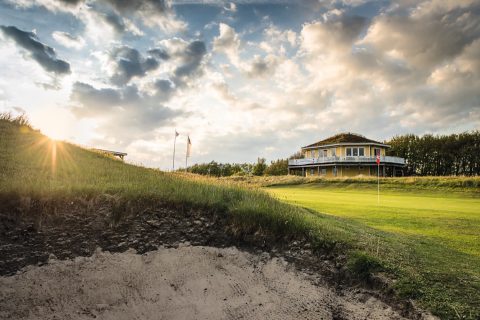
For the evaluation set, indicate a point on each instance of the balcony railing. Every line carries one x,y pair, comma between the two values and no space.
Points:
320,160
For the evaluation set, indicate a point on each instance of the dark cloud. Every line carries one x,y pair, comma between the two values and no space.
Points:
130,63
159,6
192,58
116,22
43,54
164,89
87,95
125,6
71,2
260,67
159,53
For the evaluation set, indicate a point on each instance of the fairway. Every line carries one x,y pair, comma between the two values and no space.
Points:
450,218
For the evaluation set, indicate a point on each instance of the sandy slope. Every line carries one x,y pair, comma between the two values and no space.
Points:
185,283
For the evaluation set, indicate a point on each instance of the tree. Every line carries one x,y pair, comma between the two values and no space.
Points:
259,167
277,168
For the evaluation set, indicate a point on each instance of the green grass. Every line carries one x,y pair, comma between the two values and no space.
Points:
437,270
431,239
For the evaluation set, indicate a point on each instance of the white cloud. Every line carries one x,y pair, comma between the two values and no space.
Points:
68,40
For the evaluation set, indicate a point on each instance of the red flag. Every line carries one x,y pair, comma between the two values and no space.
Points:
378,159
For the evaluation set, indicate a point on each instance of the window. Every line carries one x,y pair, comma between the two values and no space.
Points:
311,171
355,151
334,171
324,153
376,151
324,171
334,152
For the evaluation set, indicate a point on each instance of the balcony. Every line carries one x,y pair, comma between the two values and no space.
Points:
346,160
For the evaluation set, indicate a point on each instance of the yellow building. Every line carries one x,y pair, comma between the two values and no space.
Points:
346,155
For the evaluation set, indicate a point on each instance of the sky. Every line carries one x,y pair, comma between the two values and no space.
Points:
244,79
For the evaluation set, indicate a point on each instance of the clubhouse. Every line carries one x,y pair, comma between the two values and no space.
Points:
346,155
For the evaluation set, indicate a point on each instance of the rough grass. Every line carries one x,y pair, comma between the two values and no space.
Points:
430,239
34,169
408,183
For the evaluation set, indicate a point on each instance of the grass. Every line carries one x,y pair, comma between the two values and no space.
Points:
431,239
443,278
448,183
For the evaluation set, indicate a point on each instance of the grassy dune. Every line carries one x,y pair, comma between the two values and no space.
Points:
43,171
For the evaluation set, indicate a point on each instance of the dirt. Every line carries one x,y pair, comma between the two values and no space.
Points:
52,269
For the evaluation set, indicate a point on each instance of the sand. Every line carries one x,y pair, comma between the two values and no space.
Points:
188,282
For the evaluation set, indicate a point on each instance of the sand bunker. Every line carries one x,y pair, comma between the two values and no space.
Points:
190,282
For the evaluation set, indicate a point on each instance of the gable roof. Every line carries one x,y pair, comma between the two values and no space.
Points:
346,137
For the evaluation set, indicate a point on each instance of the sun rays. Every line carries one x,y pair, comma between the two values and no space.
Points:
53,156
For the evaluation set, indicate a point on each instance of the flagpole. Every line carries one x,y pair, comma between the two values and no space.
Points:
174,142
186,153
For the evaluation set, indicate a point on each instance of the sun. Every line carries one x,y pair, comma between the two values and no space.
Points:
55,133
55,124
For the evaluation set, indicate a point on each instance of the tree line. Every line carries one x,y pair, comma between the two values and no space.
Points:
438,155
260,168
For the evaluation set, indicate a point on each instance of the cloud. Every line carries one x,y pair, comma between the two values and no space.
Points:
335,35
41,53
152,13
230,7
95,101
126,114
227,42
164,89
192,58
128,63
159,53
425,39
261,67
116,22
68,40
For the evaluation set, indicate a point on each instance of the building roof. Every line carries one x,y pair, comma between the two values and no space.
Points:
346,137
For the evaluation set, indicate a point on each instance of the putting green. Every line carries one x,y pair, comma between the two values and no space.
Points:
451,218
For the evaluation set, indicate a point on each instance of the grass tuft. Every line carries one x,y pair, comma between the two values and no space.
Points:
363,265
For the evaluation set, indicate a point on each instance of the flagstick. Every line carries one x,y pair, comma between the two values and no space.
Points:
174,142
378,183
